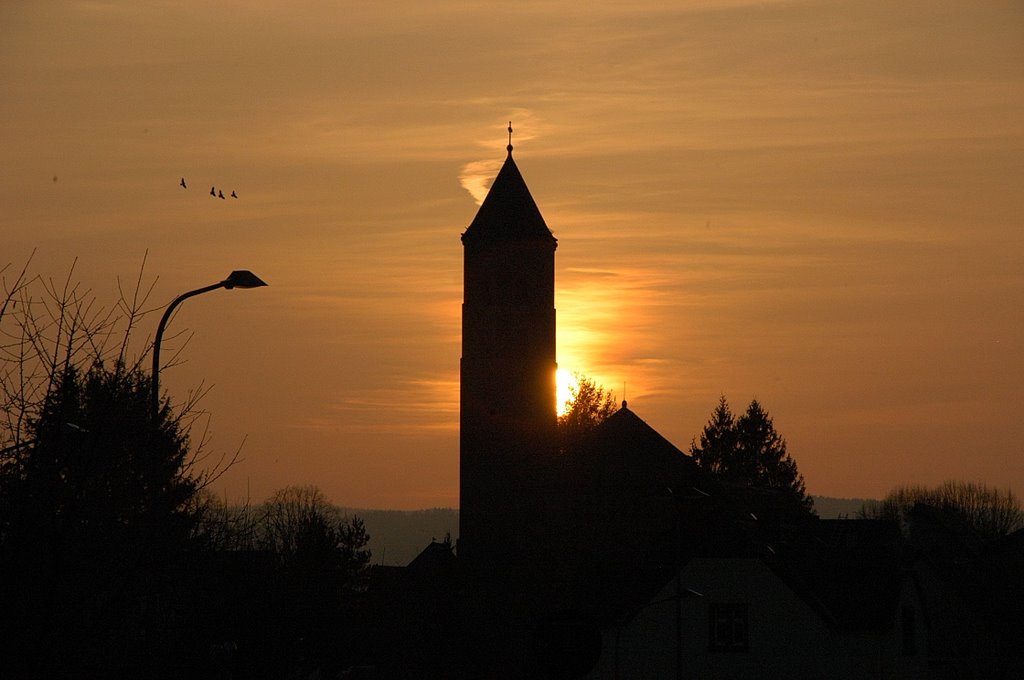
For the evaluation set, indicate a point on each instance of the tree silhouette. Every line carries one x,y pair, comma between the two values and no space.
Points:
97,491
747,451
81,445
589,406
91,512
717,452
303,529
986,510
102,477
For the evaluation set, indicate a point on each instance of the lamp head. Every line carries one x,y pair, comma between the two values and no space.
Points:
242,278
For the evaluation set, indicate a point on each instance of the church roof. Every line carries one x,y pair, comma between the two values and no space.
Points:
625,452
509,212
626,435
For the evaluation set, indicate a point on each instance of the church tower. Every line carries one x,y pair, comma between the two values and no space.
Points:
508,403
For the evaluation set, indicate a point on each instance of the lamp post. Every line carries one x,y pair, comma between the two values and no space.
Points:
241,278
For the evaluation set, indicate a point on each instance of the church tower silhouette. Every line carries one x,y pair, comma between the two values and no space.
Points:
508,412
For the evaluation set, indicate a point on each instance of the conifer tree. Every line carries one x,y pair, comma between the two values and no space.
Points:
748,451
763,460
717,451
104,477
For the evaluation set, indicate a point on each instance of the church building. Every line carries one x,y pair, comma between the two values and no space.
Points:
524,503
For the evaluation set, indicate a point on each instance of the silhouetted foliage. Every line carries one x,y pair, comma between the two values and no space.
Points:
97,491
114,486
589,406
301,527
89,512
86,460
223,526
718,451
986,510
747,451
396,536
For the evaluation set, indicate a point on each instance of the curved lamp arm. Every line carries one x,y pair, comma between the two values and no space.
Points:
241,278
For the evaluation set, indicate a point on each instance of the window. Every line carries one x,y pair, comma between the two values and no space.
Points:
728,631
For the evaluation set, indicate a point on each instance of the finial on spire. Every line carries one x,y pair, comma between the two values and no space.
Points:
509,147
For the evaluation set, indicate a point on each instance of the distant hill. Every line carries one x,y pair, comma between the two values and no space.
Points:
840,508
397,536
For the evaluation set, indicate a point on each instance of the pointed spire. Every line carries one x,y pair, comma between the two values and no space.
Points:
509,212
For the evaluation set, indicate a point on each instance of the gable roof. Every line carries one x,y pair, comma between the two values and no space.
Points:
626,449
509,212
854,585
434,558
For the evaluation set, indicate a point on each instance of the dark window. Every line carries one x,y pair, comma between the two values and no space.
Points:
728,630
907,622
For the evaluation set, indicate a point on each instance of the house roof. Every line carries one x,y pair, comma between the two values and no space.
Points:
853,588
509,212
434,558
848,571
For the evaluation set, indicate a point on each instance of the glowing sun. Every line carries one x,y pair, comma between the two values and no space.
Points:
565,388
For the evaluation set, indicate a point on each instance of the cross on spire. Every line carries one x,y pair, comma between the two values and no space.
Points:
509,147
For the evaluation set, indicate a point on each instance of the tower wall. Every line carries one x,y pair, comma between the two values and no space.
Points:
508,399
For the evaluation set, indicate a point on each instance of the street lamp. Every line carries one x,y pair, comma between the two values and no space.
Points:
241,278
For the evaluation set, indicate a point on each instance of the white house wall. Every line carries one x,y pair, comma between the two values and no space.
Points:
787,637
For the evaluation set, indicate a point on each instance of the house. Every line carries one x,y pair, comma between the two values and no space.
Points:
974,589
808,610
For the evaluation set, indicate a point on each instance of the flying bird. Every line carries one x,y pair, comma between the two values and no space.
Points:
183,185
233,194
220,194
213,191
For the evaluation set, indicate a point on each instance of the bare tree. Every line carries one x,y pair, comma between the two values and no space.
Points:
222,525
306,531
988,510
281,517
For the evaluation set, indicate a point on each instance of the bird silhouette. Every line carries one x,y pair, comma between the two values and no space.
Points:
220,194
213,191
183,185
233,194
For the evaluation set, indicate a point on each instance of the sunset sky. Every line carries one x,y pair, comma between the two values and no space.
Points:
817,204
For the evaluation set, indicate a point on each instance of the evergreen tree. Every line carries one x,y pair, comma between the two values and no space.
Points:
94,504
102,479
747,451
98,491
717,451
762,458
